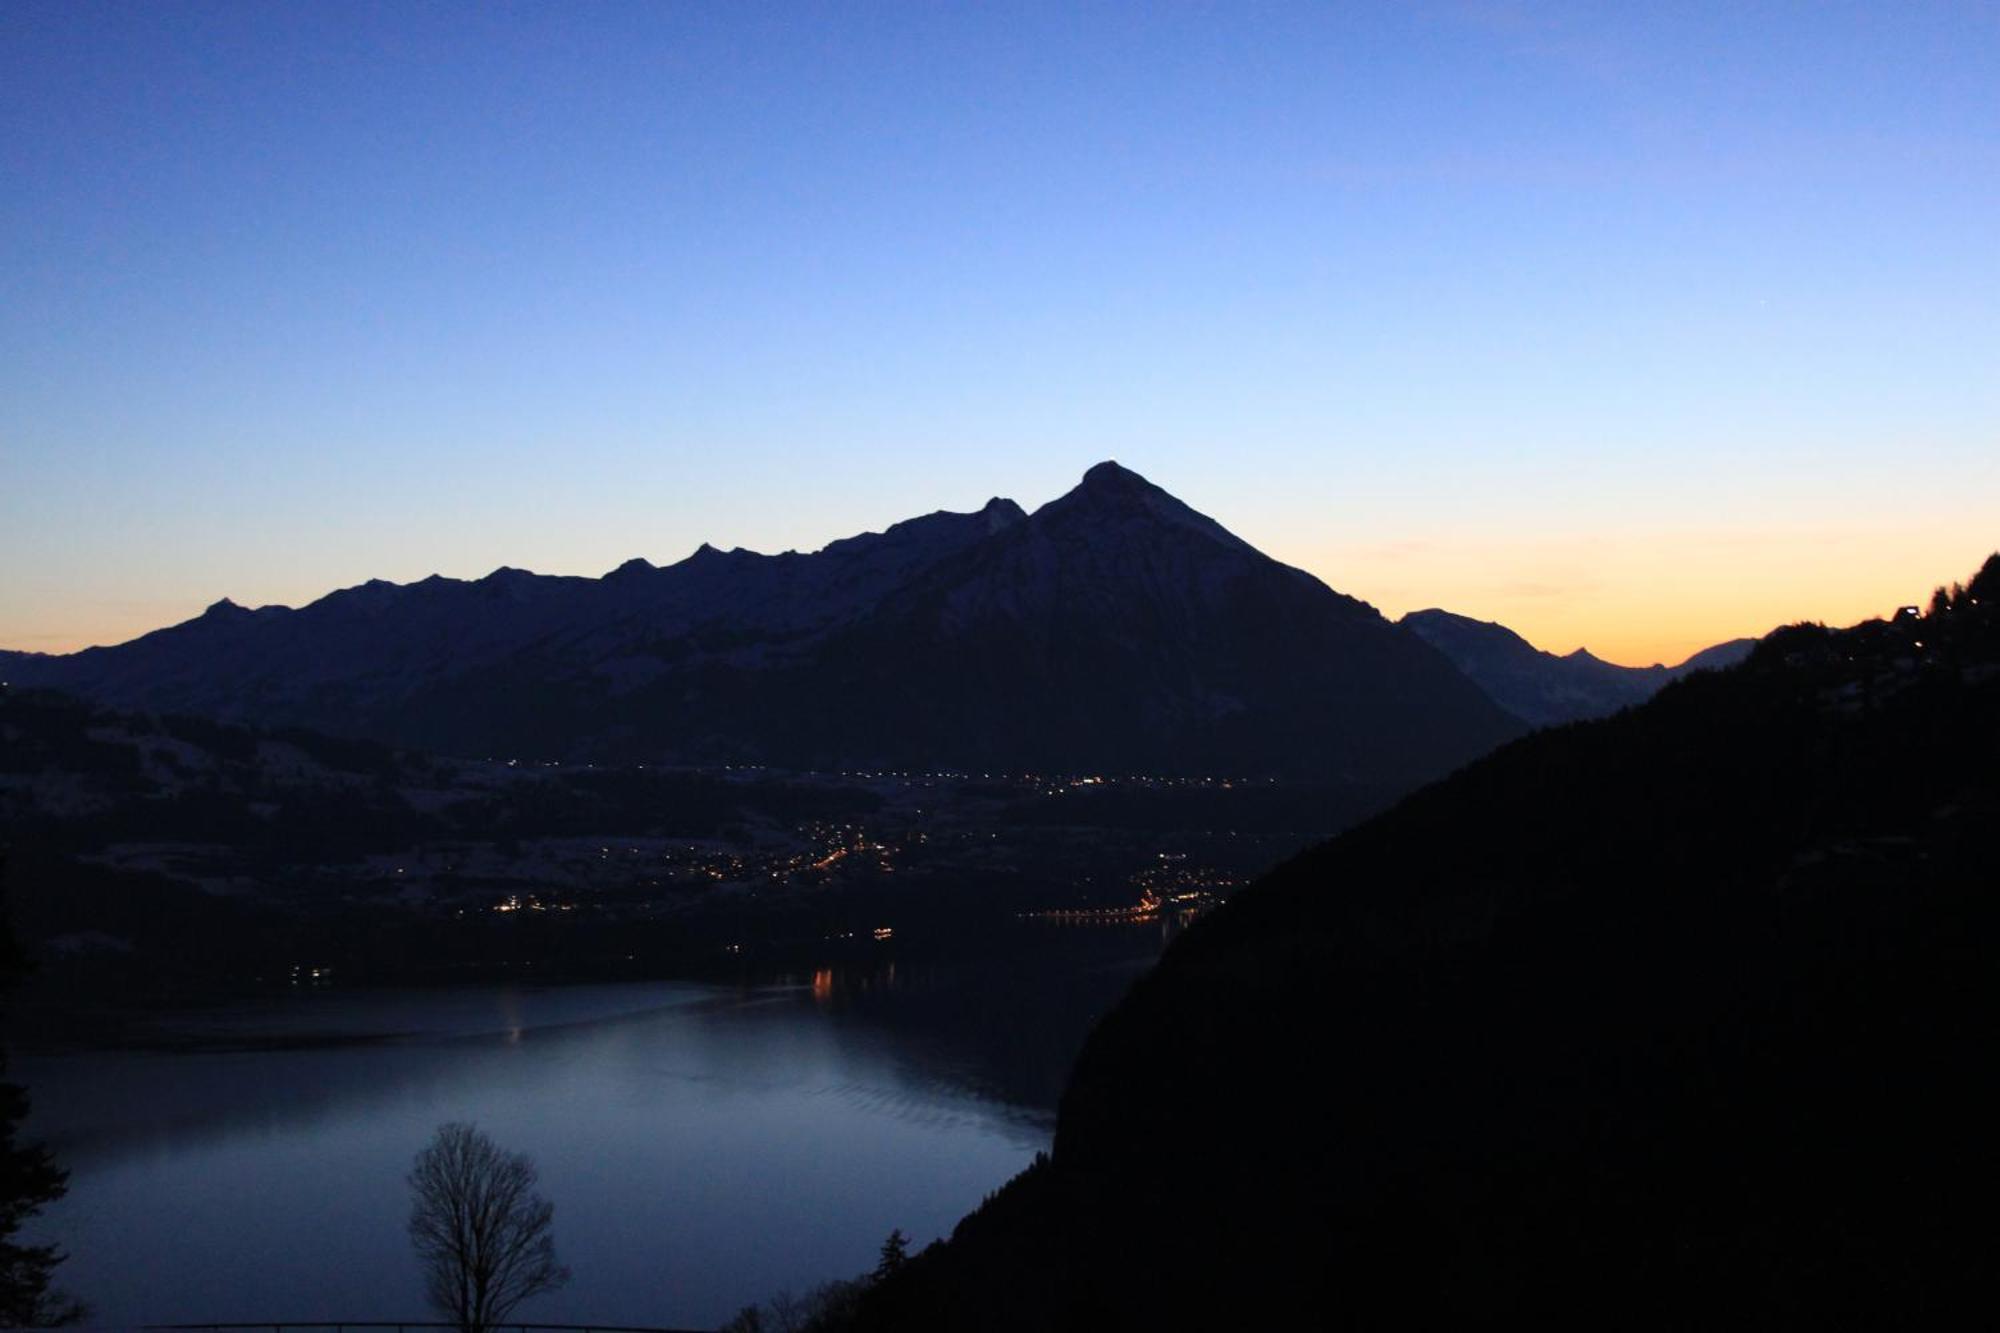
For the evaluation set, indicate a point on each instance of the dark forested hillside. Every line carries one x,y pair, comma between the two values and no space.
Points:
1676,1019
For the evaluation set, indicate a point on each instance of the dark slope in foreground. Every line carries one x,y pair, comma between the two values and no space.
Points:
1676,1019
1114,630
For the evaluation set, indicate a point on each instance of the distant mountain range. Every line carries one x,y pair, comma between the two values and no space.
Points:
1542,688
1114,629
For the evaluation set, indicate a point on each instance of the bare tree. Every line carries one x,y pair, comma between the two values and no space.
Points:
482,1233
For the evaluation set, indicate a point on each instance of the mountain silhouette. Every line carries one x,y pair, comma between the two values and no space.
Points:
1544,688
1114,629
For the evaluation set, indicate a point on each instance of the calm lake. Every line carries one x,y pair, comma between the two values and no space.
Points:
704,1146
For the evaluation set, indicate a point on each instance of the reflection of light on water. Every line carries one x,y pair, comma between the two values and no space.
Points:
510,1015
827,982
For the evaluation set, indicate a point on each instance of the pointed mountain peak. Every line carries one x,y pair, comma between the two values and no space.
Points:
1111,495
1000,512
1109,477
709,556
224,609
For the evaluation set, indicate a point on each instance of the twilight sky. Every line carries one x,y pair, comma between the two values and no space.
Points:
1636,326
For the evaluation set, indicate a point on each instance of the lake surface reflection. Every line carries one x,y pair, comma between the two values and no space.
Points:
704,1146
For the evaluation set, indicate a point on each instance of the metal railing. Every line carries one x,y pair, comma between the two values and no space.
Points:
340,1326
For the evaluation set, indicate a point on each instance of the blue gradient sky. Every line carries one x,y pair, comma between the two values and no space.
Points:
1638,326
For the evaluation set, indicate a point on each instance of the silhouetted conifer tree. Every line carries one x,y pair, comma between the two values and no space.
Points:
29,1182
895,1253
1985,585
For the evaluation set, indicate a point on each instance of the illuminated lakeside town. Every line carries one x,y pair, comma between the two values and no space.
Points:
338,864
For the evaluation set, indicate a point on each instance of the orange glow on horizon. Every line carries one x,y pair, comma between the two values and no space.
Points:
1632,598
1643,598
